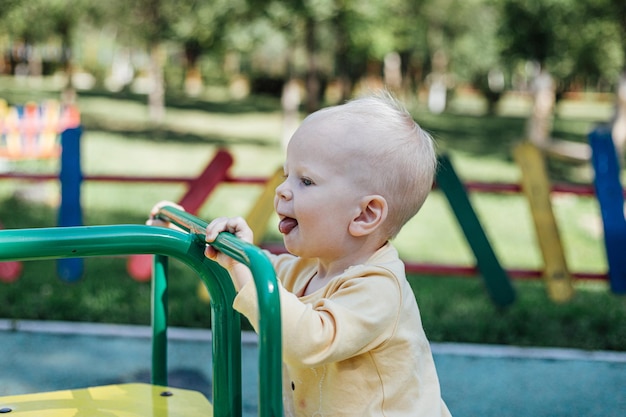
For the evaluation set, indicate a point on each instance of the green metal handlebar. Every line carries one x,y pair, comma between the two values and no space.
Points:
88,241
270,338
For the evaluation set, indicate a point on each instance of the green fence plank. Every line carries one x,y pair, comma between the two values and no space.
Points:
494,276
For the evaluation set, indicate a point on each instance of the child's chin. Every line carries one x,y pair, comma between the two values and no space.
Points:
291,246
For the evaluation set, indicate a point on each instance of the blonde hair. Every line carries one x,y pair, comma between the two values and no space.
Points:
399,156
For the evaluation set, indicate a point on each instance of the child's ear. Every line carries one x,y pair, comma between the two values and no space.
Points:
372,214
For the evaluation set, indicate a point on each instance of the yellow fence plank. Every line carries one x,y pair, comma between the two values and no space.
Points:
536,188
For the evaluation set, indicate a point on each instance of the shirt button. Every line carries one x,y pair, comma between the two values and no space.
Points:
293,386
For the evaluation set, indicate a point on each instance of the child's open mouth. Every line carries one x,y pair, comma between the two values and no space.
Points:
286,225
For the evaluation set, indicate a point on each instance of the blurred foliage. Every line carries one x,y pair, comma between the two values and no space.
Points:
578,42
320,41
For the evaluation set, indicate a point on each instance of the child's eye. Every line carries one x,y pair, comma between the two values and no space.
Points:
306,181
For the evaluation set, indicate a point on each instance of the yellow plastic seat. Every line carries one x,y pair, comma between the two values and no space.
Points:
124,400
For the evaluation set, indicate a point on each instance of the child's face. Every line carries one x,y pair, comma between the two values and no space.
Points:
320,195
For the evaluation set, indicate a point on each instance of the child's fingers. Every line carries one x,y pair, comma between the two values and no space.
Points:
241,229
154,221
210,252
163,203
157,222
157,207
234,225
216,227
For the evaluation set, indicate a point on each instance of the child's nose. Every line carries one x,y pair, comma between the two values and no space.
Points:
283,192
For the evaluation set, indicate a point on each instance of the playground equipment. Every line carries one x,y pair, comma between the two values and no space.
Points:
187,246
199,189
40,131
10,271
32,131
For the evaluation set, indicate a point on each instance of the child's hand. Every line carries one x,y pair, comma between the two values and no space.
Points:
237,226
154,221
234,225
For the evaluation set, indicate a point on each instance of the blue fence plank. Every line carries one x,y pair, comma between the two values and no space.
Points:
611,199
70,211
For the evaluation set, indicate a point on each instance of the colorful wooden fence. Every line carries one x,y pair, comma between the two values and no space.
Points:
534,185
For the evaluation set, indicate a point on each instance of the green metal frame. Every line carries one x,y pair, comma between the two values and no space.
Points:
188,247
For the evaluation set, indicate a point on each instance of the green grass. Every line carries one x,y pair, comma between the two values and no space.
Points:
118,139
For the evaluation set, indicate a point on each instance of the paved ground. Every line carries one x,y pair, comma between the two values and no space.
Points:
476,380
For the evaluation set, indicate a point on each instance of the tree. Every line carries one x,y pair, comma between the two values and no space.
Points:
580,43
202,27
154,24
38,21
305,19
576,41
615,10
148,23
475,52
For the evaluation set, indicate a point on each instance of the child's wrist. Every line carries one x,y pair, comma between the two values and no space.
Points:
240,274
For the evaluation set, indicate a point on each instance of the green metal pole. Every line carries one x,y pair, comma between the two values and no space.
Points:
159,320
270,338
87,241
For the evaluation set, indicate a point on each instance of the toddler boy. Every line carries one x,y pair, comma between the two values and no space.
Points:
353,342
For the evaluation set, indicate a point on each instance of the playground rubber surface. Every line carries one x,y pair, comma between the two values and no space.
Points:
476,380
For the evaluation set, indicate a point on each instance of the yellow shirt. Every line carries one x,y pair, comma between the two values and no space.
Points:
355,347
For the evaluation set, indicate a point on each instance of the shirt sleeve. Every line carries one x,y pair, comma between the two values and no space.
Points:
355,314
246,300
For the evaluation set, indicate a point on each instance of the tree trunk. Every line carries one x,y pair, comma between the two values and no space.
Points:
68,94
193,75
156,96
290,101
619,121
438,83
539,124
312,76
393,72
342,57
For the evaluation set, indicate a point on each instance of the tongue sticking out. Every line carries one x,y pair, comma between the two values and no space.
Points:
286,225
